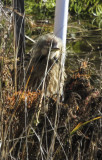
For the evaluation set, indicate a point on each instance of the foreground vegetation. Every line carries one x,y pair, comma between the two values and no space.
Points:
70,129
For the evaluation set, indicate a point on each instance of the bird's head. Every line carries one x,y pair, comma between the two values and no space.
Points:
51,45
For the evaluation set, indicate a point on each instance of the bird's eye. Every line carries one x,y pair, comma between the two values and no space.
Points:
55,49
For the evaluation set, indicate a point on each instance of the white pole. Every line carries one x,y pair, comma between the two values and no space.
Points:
60,26
61,19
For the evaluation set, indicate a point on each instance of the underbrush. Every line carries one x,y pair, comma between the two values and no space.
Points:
69,129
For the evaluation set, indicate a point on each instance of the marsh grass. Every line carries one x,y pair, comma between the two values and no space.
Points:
50,137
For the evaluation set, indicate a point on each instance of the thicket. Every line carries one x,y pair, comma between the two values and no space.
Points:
70,129
45,8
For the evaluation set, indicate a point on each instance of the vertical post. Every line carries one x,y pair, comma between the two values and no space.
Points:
19,37
19,27
60,25
61,19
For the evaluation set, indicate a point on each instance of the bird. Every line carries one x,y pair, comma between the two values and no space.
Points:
43,66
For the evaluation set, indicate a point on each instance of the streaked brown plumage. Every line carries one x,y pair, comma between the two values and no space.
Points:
47,51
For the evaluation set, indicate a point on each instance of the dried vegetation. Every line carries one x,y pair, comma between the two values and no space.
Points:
30,132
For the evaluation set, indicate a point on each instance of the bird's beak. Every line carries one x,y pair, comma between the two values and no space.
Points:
55,47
